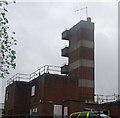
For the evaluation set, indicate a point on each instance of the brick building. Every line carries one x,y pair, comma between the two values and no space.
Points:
43,95
46,92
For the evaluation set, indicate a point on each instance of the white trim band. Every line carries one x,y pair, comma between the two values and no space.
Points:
82,43
85,83
81,62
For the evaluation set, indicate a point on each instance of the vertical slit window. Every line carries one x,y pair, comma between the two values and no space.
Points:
32,90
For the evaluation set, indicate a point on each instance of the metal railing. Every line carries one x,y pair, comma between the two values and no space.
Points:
18,77
28,77
45,69
100,99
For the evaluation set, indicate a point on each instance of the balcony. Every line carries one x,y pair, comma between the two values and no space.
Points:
65,69
65,52
65,35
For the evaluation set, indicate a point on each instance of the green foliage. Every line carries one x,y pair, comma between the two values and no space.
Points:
7,53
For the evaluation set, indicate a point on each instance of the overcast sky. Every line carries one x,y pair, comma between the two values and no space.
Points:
38,27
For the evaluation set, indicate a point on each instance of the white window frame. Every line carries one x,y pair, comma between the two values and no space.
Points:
36,110
33,110
33,90
30,111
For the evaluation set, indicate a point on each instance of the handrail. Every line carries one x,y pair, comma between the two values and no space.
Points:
45,69
106,98
18,77
35,74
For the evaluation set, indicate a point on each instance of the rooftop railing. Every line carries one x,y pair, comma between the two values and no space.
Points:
28,77
19,77
101,99
46,69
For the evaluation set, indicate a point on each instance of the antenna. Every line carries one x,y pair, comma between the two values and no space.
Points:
84,8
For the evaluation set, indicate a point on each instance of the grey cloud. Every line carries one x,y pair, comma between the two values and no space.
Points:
38,28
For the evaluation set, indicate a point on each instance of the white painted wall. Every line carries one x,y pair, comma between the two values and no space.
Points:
119,47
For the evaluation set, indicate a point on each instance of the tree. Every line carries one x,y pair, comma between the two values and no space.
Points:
7,41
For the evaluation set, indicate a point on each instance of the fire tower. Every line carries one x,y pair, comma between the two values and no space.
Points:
80,54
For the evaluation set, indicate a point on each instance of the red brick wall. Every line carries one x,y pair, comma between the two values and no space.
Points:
58,88
81,53
83,72
9,104
114,109
18,98
87,34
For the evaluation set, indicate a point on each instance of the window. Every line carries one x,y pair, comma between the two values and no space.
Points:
30,111
36,109
33,90
7,94
65,111
33,110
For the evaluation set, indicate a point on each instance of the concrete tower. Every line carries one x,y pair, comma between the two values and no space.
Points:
81,55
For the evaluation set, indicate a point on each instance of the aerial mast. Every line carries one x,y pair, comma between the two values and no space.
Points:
84,8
